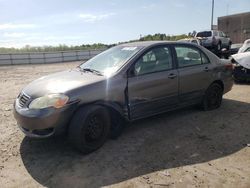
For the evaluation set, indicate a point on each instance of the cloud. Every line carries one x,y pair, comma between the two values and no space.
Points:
16,26
179,5
149,6
14,35
19,40
91,18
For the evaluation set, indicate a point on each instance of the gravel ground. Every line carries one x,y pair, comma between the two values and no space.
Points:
185,148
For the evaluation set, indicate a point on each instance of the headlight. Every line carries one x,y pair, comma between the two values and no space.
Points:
51,100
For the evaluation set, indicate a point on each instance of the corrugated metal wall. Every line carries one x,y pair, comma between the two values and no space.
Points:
46,57
237,26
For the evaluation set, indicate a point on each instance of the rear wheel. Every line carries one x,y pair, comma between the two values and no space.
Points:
89,128
213,97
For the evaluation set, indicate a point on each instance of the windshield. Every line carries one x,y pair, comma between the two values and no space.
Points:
204,34
110,60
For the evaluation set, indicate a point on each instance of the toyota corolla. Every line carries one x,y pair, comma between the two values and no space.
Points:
131,81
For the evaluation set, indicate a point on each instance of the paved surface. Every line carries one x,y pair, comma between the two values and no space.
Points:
185,148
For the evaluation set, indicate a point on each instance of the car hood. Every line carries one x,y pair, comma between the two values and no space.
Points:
61,82
243,59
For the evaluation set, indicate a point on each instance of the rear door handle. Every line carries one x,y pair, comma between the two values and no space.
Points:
172,76
206,69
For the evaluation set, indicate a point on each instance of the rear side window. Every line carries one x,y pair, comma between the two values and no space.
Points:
188,56
204,34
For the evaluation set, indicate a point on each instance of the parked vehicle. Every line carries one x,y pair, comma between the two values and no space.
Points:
214,40
127,82
190,40
245,47
235,48
241,71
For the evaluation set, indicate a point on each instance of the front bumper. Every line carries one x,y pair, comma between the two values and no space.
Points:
241,74
43,123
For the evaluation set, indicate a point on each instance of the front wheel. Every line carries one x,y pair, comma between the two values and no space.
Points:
213,97
89,128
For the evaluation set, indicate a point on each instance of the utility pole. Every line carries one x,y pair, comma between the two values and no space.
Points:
227,8
212,19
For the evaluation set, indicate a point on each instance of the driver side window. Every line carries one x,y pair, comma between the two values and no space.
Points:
155,60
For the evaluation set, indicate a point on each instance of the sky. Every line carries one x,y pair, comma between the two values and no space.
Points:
76,22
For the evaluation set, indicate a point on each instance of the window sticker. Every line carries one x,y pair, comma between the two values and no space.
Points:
129,48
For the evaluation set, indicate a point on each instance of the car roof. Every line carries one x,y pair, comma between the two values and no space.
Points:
148,43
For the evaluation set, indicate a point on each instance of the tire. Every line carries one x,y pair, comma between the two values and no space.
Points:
213,97
229,45
218,47
89,128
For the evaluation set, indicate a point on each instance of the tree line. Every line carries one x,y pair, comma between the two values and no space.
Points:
160,36
28,48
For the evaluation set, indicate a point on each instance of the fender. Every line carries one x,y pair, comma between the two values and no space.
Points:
121,110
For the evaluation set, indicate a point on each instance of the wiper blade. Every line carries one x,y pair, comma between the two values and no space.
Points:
92,70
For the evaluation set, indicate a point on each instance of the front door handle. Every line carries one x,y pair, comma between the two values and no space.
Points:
172,76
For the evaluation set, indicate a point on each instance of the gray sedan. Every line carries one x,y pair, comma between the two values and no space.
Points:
128,82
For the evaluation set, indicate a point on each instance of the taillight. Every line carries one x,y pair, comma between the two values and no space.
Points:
229,66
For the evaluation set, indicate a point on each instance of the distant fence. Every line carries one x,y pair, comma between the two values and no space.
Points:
46,57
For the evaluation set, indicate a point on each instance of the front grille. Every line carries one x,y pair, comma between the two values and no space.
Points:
23,100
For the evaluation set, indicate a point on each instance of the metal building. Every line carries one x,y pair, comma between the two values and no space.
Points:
236,26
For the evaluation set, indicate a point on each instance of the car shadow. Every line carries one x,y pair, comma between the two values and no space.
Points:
242,82
174,139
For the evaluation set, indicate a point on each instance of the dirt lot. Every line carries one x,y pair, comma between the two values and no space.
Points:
185,148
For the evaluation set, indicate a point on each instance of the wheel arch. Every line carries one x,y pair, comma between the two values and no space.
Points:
108,104
220,82
114,108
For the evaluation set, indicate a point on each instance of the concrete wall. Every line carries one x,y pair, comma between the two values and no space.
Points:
47,57
237,26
